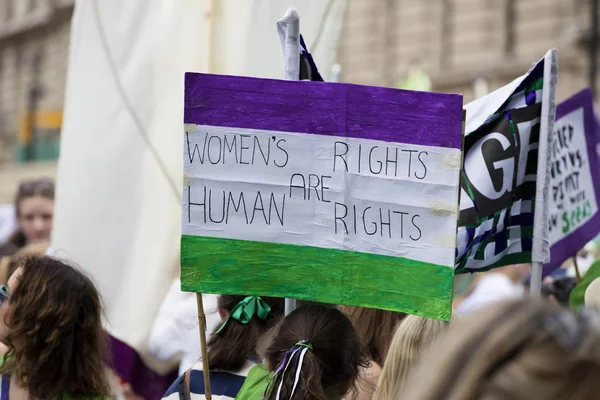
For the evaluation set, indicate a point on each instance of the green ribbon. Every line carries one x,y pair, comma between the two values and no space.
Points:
304,343
246,309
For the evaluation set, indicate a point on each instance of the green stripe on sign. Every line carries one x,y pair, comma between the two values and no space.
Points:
228,266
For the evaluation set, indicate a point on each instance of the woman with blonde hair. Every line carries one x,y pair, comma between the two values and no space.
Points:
413,336
518,350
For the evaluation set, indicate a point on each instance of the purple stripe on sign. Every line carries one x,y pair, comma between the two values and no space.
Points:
333,109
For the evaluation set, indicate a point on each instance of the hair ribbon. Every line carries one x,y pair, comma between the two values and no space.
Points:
300,349
246,309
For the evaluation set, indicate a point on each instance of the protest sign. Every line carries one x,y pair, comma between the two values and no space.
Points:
335,193
574,179
504,186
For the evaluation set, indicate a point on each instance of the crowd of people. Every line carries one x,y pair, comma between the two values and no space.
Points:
498,345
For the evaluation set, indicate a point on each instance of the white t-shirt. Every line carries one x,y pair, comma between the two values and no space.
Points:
175,329
492,288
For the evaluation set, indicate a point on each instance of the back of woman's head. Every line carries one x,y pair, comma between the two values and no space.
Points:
315,355
413,336
55,330
517,350
234,341
375,329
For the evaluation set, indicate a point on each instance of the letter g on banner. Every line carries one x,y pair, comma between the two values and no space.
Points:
483,178
489,170
500,164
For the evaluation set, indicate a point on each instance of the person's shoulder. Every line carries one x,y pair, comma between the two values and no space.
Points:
224,384
372,372
255,384
173,390
243,372
367,383
257,371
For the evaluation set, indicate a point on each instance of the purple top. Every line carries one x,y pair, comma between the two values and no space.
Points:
335,109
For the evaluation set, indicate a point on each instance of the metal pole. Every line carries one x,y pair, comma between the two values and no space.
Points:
540,233
290,305
289,25
336,73
594,46
535,288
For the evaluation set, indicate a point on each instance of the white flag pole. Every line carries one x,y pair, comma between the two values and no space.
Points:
535,288
540,252
336,73
288,28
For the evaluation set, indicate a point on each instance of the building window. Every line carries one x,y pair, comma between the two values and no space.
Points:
8,10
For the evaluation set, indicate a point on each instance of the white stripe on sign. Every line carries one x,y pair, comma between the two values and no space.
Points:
313,190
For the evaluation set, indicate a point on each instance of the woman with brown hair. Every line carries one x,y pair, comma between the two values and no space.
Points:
34,206
314,355
375,328
519,350
232,347
50,321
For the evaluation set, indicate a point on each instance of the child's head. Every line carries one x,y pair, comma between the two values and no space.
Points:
316,354
245,320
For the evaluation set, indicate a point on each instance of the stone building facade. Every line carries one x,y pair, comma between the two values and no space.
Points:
34,45
455,41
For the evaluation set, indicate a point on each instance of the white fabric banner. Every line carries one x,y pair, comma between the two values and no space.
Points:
118,200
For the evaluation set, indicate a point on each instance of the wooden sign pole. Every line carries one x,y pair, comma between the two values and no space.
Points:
577,273
210,22
202,328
